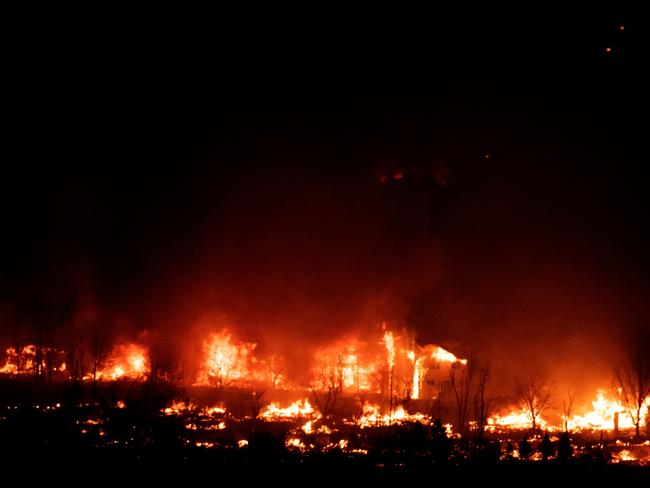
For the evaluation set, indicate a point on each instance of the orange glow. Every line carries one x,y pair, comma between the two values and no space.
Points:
391,365
389,342
443,356
226,360
346,364
417,364
24,362
602,415
10,366
515,419
623,456
372,417
178,408
605,408
126,361
298,409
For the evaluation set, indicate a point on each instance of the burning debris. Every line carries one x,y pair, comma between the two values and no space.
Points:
33,360
126,361
372,417
608,413
226,360
355,390
298,409
515,419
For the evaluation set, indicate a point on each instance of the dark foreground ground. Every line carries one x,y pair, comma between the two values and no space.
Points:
204,467
70,440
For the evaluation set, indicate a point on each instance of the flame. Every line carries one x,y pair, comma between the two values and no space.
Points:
308,428
179,407
299,408
397,367
515,419
443,356
126,361
296,443
604,411
226,360
390,364
216,410
372,416
389,342
10,366
24,361
346,364
623,456
417,364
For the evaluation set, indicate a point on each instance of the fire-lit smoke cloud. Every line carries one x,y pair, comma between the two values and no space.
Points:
476,199
293,257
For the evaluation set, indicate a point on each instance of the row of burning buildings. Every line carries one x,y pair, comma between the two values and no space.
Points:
391,364
389,369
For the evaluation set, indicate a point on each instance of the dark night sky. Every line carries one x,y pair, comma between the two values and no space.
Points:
237,165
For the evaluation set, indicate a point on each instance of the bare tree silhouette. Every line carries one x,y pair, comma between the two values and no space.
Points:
462,384
482,403
534,395
632,380
568,407
328,386
253,402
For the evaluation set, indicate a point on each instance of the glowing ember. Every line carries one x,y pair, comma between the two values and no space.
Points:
295,443
623,456
177,408
307,428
